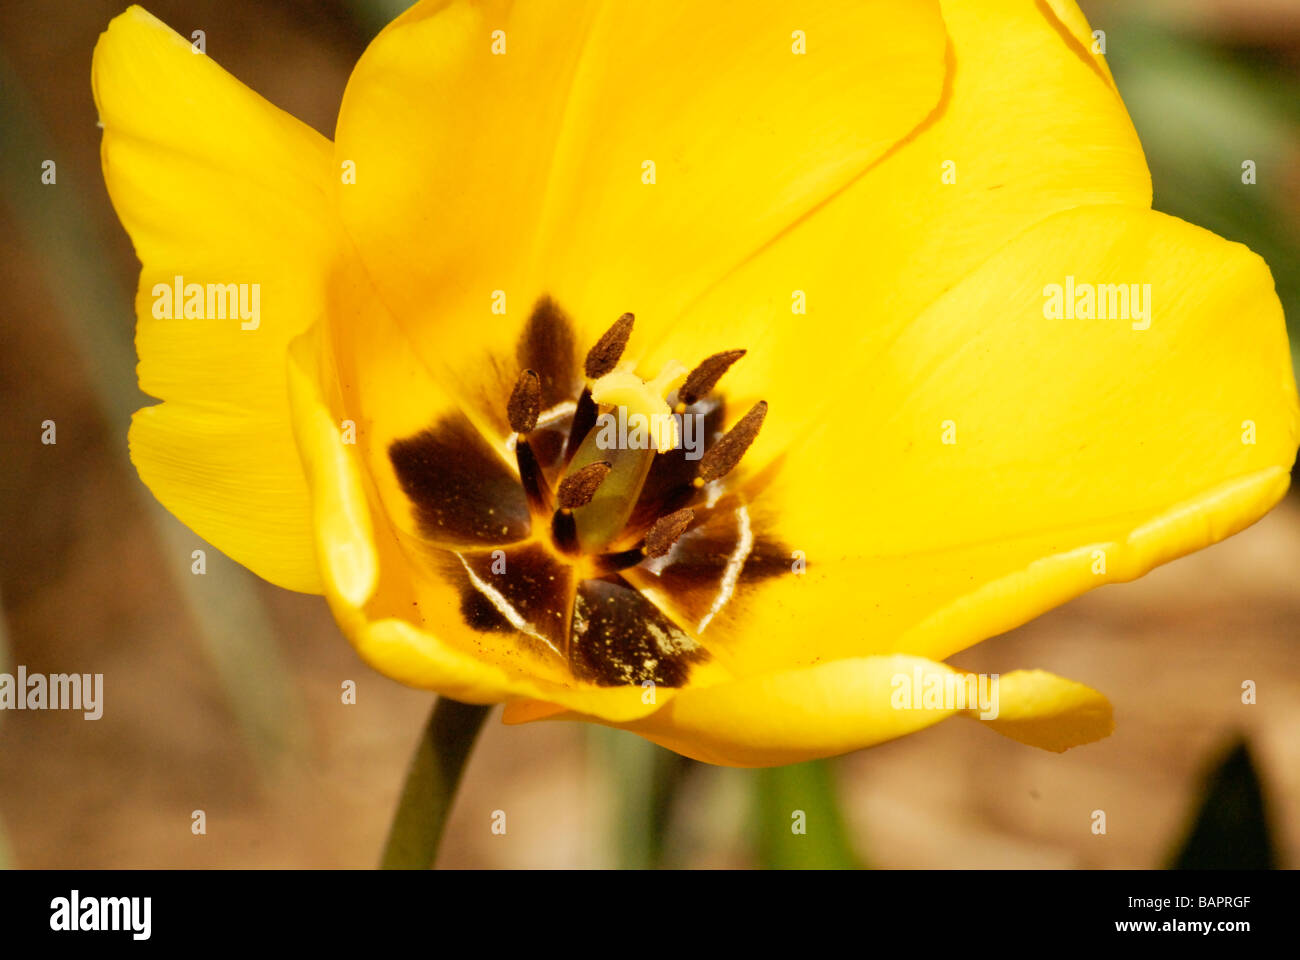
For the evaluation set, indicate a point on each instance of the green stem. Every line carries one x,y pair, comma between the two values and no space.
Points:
431,782
800,826
647,783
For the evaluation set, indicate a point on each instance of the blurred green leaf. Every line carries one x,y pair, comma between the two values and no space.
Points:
1200,112
373,15
647,780
1230,831
798,825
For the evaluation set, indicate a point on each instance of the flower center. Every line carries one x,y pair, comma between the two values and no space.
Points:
620,538
620,424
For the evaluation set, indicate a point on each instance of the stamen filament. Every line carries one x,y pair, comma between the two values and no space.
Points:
584,421
536,490
564,532
658,541
608,563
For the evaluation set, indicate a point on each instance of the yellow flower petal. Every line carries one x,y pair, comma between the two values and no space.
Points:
1047,711
845,705
1001,152
1072,19
340,511
796,715
992,462
557,134
196,462
1025,129
217,186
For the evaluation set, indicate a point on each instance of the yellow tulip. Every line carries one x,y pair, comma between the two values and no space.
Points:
914,217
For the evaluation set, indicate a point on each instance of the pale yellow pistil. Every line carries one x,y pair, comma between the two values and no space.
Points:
643,406
644,401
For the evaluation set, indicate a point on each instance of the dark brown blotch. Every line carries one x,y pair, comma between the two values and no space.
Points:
461,491
700,561
620,638
548,444
537,586
547,346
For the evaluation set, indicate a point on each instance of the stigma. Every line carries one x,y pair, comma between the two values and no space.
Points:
645,401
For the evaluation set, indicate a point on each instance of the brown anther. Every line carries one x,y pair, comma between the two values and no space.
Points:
720,458
604,356
706,376
577,489
661,537
525,402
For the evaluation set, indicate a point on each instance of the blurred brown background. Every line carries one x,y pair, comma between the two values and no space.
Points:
223,693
